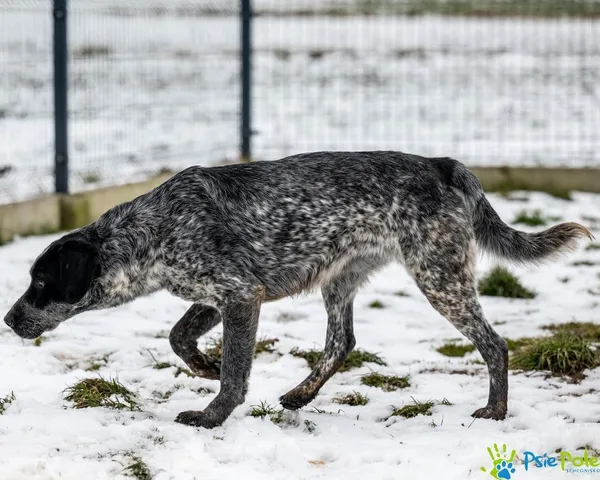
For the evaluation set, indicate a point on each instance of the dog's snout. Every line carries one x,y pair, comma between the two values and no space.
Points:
9,319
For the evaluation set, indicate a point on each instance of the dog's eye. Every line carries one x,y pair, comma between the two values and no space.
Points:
40,284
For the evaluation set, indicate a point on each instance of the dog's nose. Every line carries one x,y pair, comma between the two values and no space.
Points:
9,319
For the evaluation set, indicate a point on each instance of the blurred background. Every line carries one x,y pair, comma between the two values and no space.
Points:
155,86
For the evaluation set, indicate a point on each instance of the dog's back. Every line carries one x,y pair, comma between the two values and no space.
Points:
296,221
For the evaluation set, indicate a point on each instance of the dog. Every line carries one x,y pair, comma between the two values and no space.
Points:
230,238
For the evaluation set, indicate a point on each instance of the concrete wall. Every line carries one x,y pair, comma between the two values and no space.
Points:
55,213
32,217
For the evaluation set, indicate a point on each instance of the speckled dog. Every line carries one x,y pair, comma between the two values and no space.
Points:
230,238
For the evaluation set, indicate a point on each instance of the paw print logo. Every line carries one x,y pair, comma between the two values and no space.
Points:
502,467
505,470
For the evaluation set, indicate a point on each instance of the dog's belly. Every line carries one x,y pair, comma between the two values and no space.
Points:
289,279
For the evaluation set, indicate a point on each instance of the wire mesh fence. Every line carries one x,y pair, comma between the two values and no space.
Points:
519,88
154,85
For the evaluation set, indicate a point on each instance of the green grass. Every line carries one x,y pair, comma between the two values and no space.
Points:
186,372
500,282
138,469
265,410
583,263
518,343
354,399
355,359
98,363
99,392
39,340
453,349
414,410
4,402
585,330
263,345
561,354
593,246
162,365
388,383
401,293
376,304
533,219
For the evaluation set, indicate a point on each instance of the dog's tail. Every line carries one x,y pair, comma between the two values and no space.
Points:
495,236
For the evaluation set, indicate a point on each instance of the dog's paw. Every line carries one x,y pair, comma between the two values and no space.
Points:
495,412
297,398
197,419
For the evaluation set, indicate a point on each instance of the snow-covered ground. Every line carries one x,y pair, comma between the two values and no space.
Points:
153,89
42,437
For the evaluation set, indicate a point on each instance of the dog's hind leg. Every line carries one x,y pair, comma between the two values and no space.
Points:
338,296
197,321
445,274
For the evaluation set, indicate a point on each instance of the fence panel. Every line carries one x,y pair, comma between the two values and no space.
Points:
522,88
153,87
26,108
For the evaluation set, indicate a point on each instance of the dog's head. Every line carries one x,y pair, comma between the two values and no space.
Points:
61,278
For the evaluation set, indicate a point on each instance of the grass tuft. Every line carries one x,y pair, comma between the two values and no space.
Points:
593,246
453,349
162,365
264,409
388,383
583,263
411,411
518,343
98,363
39,340
561,354
354,399
264,345
355,359
8,400
533,219
99,392
500,282
185,371
585,330
138,469
376,304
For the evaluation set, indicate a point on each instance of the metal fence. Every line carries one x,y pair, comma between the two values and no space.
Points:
157,85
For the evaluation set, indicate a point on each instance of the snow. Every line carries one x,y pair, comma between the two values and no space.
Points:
42,437
166,95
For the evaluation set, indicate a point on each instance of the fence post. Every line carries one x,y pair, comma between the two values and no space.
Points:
246,129
61,112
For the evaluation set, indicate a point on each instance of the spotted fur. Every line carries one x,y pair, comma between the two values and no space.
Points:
230,238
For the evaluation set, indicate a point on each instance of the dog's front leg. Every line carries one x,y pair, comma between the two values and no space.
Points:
240,321
197,321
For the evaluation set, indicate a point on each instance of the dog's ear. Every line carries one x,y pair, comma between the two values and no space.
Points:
78,267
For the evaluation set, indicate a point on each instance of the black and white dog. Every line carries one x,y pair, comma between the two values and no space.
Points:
230,238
